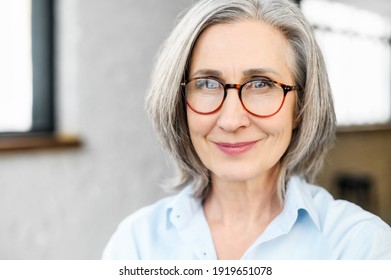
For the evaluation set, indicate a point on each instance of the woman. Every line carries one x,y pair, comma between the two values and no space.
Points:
240,99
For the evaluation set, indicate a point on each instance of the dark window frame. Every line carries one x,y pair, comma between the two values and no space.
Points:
42,17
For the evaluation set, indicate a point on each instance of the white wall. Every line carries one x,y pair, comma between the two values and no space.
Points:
65,204
382,7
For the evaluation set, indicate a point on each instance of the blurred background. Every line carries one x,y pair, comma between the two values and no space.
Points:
77,153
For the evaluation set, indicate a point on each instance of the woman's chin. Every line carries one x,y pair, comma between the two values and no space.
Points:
236,175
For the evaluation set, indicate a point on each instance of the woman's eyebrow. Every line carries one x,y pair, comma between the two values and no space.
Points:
247,73
260,71
208,72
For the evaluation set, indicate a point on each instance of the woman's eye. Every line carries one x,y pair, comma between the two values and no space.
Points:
207,84
261,84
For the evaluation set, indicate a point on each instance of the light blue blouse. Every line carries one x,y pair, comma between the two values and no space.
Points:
312,225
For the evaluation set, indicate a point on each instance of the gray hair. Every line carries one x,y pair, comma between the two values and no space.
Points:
315,131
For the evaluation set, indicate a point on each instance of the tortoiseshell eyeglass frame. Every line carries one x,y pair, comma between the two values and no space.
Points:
239,87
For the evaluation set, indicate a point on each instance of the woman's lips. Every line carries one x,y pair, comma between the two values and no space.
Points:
235,148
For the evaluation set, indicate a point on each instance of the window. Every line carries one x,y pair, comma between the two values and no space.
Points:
26,69
356,48
27,77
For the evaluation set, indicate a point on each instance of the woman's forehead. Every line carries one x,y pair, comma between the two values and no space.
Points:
234,48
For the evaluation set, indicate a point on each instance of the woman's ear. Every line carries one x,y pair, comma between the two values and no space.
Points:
294,125
297,116
296,119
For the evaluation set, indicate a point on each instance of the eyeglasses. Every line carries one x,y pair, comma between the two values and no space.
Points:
260,97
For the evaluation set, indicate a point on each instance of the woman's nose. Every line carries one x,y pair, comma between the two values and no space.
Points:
232,115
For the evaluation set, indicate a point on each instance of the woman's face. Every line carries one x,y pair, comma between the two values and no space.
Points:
233,144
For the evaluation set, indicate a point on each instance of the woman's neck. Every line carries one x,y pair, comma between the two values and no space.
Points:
244,201
239,212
